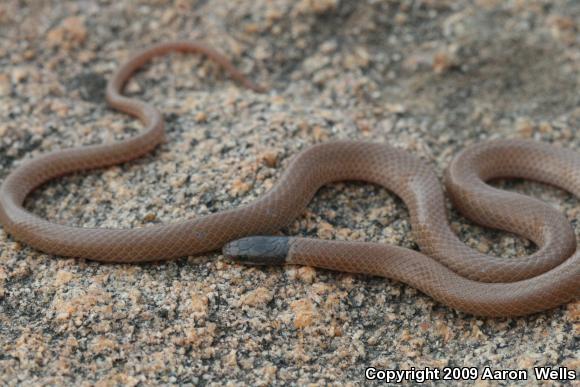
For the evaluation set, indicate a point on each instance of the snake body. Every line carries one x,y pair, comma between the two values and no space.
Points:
446,269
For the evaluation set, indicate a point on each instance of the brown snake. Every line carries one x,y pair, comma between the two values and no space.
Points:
446,269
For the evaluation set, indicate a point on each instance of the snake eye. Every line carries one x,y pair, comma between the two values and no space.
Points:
258,250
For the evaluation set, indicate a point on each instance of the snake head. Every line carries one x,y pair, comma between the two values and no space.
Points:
258,250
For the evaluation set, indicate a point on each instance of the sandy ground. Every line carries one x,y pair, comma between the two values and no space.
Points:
429,76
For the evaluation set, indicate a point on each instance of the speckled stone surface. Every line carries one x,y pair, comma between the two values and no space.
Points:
429,76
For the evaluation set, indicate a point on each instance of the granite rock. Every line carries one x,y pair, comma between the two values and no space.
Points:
428,76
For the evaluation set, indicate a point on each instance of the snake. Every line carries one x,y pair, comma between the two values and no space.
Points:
443,267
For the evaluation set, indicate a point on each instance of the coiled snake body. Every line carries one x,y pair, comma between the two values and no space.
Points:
445,268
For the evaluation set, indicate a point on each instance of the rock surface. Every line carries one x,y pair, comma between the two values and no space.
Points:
429,76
